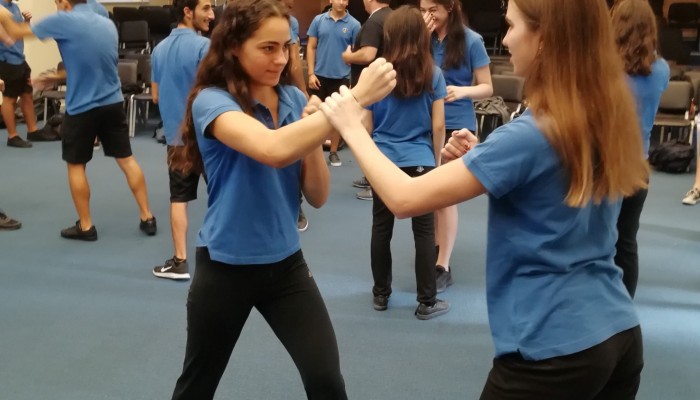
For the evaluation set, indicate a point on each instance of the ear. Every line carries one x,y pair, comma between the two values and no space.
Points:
188,12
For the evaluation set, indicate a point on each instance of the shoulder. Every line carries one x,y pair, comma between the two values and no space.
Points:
661,69
472,36
212,97
293,95
437,75
521,134
352,21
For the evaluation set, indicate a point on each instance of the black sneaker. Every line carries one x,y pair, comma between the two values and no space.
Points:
365,194
443,278
18,142
149,226
381,302
77,233
302,221
42,136
173,268
334,159
427,311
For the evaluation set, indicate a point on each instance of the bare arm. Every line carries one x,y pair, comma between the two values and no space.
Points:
296,69
438,118
281,147
482,89
362,56
315,176
405,196
311,62
13,29
154,92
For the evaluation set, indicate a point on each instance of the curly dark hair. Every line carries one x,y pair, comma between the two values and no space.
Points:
221,68
634,27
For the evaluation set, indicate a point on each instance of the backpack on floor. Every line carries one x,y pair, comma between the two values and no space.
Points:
491,113
673,156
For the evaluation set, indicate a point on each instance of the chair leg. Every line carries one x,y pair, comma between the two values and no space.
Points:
46,108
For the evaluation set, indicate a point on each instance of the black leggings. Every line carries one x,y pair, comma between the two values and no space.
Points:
608,371
220,299
627,257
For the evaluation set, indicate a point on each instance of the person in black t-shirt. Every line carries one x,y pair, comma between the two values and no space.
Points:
369,42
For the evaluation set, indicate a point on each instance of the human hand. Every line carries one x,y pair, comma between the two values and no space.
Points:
2,85
429,21
346,54
344,112
376,81
311,106
27,16
314,83
455,93
459,144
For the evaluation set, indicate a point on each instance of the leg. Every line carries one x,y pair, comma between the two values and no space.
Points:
80,190
627,257
218,305
424,240
625,380
382,231
8,115
296,313
137,184
178,227
26,104
446,234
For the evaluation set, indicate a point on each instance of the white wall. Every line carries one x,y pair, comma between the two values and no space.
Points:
40,55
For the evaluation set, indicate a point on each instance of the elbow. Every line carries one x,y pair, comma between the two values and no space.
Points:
488,91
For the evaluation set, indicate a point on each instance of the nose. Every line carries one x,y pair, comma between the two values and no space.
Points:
282,56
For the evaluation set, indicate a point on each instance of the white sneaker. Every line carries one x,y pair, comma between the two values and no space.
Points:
692,197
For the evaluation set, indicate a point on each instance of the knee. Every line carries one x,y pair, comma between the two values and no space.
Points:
324,385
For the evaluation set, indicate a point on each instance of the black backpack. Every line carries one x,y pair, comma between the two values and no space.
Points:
673,156
491,113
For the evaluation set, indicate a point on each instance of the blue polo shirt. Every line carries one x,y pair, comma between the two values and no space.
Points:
460,114
13,54
98,8
88,46
333,38
174,65
293,29
647,92
552,286
403,128
253,208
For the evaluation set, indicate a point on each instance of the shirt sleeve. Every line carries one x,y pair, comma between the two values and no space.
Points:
204,49
477,53
155,67
313,28
294,30
439,85
373,35
512,156
355,30
53,26
208,106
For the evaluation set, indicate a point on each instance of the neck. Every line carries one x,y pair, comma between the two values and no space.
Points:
441,32
337,15
267,95
378,6
186,24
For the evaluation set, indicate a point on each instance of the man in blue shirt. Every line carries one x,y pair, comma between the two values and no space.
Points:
330,34
175,61
16,73
98,8
94,104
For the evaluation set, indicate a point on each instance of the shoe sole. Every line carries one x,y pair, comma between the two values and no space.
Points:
338,164
424,317
304,229
84,239
690,202
379,308
10,227
365,198
442,289
172,275
360,186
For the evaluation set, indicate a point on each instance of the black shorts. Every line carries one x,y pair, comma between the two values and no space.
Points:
106,122
17,79
183,188
328,87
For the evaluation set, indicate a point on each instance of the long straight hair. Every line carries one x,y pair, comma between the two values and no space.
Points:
634,26
577,90
407,47
221,68
456,46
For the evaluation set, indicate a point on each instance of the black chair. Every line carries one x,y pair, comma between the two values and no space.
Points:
489,24
671,46
123,14
134,37
685,16
159,22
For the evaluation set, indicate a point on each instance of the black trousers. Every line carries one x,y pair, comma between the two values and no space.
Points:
328,87
608,371
220,299
627,257
423,236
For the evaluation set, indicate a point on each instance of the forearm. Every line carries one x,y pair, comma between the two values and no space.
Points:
478,92
438,143
311,60
315,178
13,29
362,56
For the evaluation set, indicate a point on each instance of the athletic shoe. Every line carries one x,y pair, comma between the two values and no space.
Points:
149,226
302,221
7,223
443,278
692,197
334,159
18,142
361,183
380,302
76,232
430,311
364,194
173,268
